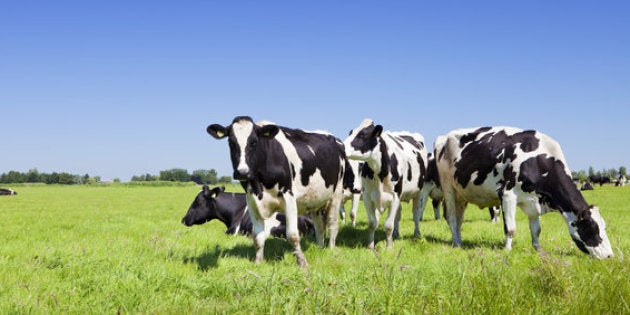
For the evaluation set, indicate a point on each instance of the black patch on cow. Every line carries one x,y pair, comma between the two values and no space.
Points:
588,229
432,171
393,164
471,136
365,140
409,173
483,154
396,141
326,146
385,161
418,145
556,189
348,176
366,171
398,187
422,177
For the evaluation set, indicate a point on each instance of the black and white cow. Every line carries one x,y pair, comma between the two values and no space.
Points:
394,170
7,192
599,179
587,186
286,170
352,190
621,181
231,209
435,192
506,166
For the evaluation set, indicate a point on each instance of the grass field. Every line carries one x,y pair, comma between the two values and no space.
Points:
122,249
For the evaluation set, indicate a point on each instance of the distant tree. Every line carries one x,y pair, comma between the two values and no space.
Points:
65,178
622,171
175,175
591,171
33,176
207,177
613,173
225,179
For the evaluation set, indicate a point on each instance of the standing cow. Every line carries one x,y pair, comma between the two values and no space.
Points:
352,190
508,166
286,170
394,171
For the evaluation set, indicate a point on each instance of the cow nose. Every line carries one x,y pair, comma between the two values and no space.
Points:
241,174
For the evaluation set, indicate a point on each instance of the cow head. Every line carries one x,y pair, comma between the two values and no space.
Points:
362,141
243,137
588,231
203,208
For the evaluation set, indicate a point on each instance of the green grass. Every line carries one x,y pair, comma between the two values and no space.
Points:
122,248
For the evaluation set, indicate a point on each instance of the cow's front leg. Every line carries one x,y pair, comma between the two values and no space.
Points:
293,234
259,235
390,223
533,211
509,217
332,223
371,212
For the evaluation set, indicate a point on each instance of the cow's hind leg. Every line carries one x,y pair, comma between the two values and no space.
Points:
453,213
390,222
331,220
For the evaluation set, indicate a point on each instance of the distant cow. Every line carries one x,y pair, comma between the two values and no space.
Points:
231,209
586,186
599,179
7,192
352,190
286,170
394,171
621,181
502,165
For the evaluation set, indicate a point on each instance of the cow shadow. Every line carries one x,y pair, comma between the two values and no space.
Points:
466,244
275,250
353,237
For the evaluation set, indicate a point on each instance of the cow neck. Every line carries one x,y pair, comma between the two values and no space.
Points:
231,219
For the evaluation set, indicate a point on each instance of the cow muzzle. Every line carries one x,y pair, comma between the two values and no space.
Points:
241,175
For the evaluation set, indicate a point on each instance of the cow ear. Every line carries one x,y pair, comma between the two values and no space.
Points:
206,191
217,131
378,129
269,131
216,191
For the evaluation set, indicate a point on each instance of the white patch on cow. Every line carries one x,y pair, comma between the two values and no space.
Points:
242,129
311,149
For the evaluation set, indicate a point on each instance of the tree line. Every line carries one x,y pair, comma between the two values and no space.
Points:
207,177
583,176
202,177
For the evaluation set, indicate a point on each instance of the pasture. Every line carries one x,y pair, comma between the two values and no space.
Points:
122,249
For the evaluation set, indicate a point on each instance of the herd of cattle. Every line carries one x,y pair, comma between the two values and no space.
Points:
288,173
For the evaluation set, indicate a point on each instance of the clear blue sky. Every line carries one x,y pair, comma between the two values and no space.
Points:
122,88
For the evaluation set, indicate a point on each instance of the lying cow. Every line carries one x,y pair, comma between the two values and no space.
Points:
394,170
7,192
231,209
286,170
506,166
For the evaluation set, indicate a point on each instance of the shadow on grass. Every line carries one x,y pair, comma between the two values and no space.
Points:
466,244
275,250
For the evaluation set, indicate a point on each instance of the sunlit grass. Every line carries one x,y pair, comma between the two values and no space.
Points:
81,249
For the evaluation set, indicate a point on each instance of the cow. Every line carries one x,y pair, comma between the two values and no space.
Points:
231,209
352,190
394,170
621,181
599,179
586,186
286,170
491,166
7,192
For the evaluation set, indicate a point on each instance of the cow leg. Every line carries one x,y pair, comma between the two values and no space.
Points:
436,208
353,211
451,210
331,220
293,233
396,232
371,212
418,205
533,210
509,217
259,234
320,227
342,213
390,223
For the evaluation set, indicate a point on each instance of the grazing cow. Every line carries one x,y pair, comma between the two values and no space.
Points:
394,171
231,209
503,165
621,181
586,186
599,179
7,192
286,170
352,190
